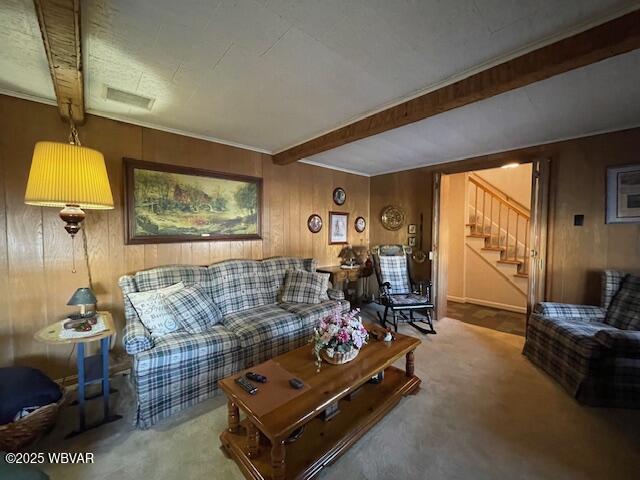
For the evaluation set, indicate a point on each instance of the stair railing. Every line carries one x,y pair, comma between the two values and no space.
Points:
512,218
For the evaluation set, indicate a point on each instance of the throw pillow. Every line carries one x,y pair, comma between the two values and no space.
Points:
304,287
22,387
193,308
624,310
152,311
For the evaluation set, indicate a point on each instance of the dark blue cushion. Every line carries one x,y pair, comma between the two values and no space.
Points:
22,387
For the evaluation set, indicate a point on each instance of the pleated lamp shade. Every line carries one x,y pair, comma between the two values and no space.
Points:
65,174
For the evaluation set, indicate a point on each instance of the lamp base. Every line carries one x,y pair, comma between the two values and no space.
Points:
73,216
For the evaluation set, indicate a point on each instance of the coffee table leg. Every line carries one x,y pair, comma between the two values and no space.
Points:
278,460
410,364
253,440
233,416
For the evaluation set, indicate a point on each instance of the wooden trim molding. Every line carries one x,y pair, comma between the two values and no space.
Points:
60,28
615,37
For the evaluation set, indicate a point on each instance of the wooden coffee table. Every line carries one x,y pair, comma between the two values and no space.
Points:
260,444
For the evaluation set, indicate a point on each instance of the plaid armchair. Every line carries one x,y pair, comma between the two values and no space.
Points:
597,363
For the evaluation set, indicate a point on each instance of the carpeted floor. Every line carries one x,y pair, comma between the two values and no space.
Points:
484,412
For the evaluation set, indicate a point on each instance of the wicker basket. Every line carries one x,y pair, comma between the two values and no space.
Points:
338,357
17,435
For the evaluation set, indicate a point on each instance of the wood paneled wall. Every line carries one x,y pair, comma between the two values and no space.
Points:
35,251
577,255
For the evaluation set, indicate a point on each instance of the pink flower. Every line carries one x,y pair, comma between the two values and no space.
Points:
343,336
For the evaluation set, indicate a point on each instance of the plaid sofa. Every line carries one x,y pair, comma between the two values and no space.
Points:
595,362
178,370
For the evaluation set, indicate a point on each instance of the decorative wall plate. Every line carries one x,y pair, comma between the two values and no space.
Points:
314,222
392,217
339,196
360,224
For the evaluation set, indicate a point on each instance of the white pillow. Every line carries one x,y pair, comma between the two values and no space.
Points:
152,312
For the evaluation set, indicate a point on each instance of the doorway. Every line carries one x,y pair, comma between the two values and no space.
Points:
489,241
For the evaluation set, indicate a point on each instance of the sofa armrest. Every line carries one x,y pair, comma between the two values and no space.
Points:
588,313
620,342
335,294
136,338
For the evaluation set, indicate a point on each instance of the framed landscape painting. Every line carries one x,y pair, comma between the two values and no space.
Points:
167,203
623,194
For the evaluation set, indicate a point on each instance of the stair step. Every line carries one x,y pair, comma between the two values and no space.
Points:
479,235
521,275
493,249
511,262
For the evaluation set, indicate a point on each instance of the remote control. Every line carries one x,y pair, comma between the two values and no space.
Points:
296,383
256,377
246,385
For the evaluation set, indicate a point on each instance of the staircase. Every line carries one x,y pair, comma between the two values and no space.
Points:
498,231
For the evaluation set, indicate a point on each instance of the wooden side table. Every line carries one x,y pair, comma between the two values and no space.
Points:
341,278
91,370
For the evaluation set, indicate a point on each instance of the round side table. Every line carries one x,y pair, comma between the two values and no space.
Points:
91,370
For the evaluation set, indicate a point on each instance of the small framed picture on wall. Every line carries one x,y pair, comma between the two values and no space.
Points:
412,241
338,228
412,229
623,194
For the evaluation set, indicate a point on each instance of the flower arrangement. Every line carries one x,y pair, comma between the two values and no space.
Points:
339,337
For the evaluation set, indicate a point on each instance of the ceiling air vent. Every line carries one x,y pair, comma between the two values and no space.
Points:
131,99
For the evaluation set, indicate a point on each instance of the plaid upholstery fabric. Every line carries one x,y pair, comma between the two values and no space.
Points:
611,282
622,342
596,362
136,338
411,299
334,294
182,370
276,268
160,277
566,350
311,314
624,309
394,270
238,285
304,287
566,310
193,309
265,332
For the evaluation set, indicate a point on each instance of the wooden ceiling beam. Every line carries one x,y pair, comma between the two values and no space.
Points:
615,37
60,27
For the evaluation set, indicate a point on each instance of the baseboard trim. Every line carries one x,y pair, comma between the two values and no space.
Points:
453,298
487,303
501,306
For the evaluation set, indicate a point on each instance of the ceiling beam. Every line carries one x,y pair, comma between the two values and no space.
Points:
615,37
60,27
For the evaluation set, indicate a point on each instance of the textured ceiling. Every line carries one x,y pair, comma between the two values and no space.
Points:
271,73
597,98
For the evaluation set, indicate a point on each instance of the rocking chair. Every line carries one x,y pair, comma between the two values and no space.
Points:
398,292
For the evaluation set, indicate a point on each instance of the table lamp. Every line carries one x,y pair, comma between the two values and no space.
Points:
348,256
83,297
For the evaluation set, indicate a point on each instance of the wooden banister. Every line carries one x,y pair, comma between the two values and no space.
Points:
513,209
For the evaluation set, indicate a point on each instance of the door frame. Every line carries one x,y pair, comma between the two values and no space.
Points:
540,199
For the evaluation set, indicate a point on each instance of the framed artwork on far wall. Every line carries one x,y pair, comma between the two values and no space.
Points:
412,229
623,194
338,228
166,203
412,241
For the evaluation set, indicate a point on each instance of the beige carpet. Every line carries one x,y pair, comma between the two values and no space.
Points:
484,412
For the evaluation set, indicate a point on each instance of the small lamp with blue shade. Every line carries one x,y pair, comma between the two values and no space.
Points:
83,297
